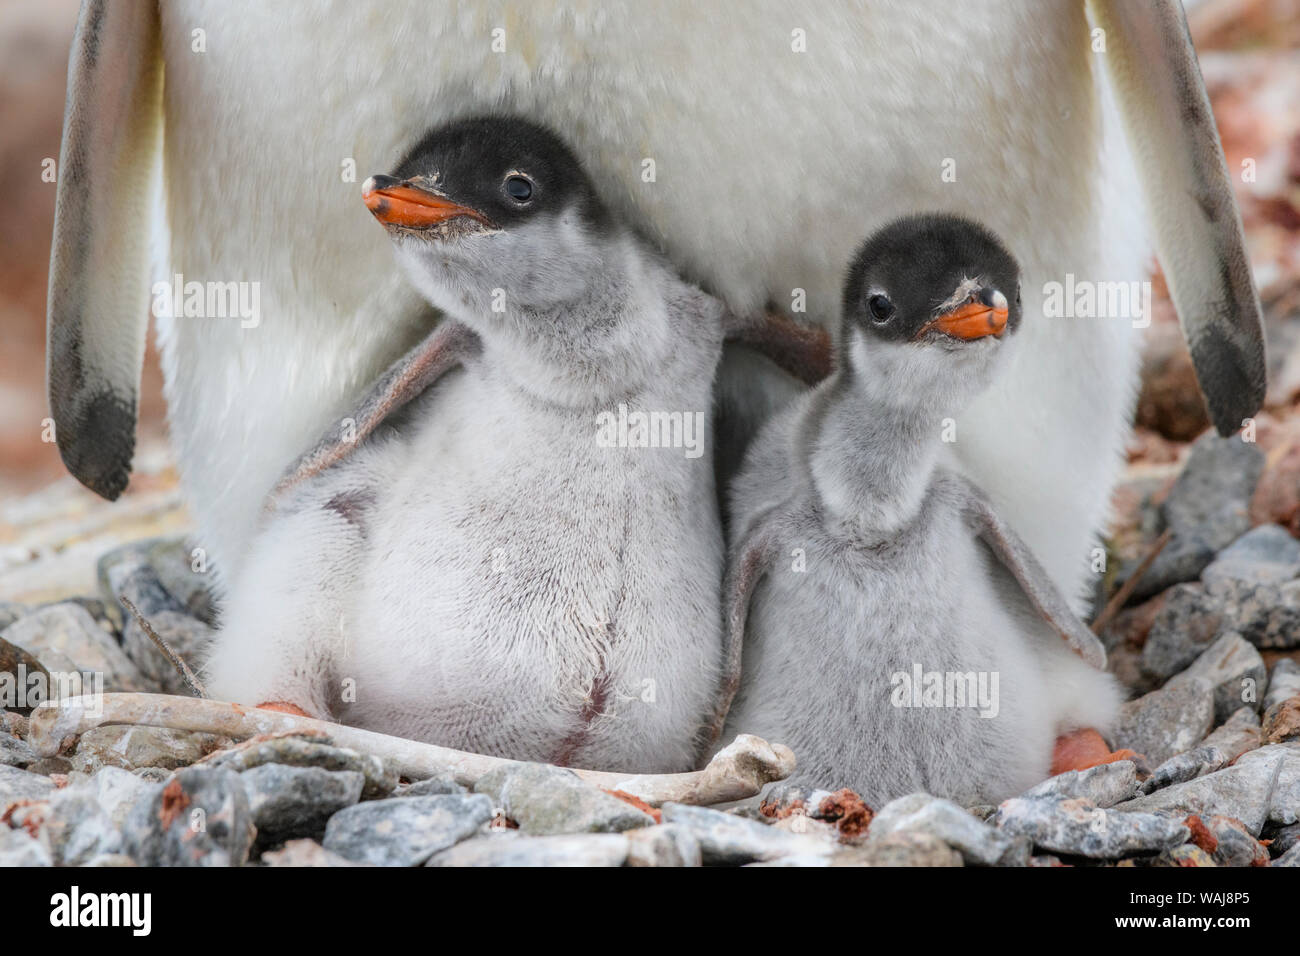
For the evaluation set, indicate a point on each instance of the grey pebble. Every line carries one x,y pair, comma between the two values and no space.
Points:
729,840
1105,784
1080,828
297,801
200,817
1182,767
978,843
299,750
1233,667
405,832
549,800
1240,791
1166,721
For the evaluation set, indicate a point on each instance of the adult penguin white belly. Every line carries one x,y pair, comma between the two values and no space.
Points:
769,165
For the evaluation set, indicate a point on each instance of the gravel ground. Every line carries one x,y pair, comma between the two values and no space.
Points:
1207,647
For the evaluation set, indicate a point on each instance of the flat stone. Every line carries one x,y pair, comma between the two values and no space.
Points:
513,848
130,748
297,801
1166,721
303,853
17,848
1240,791
1264,555
18,784
548,800
1238,734
1105,785
405,832
1182,767
1185,626
1080,828
1284,807
978,843
1210,499
729,840
199,817
66,639
665,845
309,750
1233,667
908,848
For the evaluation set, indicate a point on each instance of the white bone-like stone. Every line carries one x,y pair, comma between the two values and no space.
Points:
739,770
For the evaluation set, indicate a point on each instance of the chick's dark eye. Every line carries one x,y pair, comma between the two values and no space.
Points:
880,307
519,188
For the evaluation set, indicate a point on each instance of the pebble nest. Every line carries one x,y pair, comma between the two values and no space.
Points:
1207,649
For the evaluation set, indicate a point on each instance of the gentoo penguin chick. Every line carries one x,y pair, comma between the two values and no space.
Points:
897,635
528,561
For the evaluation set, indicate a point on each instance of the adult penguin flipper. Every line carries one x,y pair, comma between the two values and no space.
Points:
1195,223
1015,556
802,351
446,347
98,302
750,560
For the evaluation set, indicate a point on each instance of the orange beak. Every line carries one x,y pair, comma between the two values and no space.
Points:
411,207
974,320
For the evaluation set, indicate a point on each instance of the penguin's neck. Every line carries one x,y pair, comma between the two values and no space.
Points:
870,462
589,351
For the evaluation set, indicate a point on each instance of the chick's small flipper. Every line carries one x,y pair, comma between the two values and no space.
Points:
445,348
1016,557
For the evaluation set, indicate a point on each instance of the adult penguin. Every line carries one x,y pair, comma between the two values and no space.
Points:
754,140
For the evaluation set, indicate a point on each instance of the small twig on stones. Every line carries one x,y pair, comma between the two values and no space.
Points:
1122,595
188,676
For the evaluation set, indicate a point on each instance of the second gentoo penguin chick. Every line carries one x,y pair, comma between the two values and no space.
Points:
528,562
897,634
